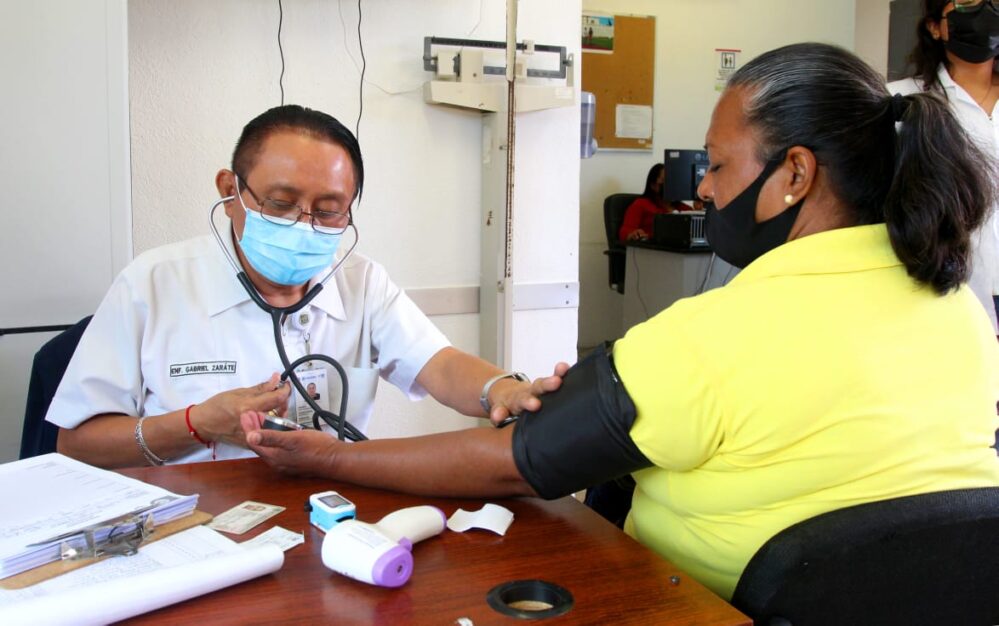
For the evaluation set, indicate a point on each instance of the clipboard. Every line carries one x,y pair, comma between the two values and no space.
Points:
57,568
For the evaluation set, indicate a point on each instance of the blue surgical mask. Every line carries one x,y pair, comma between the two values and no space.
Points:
286,255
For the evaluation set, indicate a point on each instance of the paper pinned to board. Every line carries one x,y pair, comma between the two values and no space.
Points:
75,497
632,121
490,517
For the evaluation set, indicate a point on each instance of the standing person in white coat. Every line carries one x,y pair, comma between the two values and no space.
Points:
178,349
955,55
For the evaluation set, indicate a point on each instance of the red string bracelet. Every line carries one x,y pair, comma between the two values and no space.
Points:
194,433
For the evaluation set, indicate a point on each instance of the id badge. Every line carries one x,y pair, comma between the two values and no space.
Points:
317,386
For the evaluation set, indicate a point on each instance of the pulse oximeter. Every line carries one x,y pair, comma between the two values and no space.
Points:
329,509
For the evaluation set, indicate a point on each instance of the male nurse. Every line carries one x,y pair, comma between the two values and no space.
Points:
178,350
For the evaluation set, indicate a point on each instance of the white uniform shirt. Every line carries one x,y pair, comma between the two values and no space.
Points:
177,327
984,129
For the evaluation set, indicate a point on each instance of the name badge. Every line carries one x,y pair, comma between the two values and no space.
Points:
203,367
317,387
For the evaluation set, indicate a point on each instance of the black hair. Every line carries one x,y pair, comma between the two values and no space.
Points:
927,180
929,54
301,120
650,180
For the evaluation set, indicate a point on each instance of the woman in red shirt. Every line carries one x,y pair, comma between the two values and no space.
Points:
638,218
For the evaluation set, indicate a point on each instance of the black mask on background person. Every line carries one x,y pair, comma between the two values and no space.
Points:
733,232
973,36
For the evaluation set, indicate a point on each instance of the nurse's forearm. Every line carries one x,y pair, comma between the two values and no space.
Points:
455,378
109,440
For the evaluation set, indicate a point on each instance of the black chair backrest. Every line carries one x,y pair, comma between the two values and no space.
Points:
925,559
615,206
47,369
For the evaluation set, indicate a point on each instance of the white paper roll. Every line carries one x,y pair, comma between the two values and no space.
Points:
116,600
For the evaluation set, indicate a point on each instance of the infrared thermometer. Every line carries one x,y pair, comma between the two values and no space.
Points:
381,553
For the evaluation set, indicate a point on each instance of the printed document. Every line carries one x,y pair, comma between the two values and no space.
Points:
50,496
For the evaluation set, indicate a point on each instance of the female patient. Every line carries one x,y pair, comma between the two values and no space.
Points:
847,363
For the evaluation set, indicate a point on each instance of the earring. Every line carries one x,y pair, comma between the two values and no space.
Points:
788,199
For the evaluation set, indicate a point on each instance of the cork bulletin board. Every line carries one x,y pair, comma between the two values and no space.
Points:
622,79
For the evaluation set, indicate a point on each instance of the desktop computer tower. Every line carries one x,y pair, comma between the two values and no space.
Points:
683,231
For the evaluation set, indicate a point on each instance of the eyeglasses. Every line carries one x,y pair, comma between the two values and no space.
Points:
969,6
285,213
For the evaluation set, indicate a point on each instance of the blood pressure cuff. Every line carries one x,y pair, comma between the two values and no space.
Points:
580,436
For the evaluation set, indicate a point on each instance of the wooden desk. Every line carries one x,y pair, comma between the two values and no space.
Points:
613,579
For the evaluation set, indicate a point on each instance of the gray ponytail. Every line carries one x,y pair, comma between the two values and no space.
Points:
928,181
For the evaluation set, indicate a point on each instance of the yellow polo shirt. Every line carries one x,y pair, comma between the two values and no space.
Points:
821,377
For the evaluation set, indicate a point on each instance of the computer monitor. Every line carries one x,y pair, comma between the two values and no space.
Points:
684,171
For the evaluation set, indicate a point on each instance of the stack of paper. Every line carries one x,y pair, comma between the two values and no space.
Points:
49,500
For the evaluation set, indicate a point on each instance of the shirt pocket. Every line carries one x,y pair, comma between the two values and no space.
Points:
362,383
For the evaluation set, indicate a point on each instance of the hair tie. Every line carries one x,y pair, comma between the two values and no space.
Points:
899,105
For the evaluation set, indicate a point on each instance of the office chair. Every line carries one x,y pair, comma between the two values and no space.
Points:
926,559
47,369
615,206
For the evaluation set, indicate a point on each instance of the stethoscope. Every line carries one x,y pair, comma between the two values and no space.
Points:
338,422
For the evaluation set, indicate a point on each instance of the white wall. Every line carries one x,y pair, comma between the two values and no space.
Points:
687,33
64,175
200,70
871,39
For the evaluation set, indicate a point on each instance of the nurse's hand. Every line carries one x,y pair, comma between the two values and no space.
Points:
512,397
217,418
297,452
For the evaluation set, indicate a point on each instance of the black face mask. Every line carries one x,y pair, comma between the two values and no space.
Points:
974,36
733,232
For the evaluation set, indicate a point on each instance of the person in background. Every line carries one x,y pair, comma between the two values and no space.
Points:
955,56
177,350
847,363
637,224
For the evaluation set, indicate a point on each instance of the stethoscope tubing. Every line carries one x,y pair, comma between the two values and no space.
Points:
338,422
